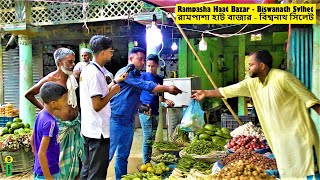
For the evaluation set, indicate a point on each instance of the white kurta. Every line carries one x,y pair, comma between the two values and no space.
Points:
281,104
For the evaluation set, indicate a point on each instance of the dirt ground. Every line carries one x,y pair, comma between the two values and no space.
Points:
19,176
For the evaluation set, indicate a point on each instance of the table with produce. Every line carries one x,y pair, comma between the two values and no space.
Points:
211,153
15,142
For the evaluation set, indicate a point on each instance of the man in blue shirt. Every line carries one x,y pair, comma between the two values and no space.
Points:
151,100
124,106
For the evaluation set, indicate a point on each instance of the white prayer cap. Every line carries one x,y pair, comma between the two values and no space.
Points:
85,50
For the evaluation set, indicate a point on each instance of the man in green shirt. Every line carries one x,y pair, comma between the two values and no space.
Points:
282,103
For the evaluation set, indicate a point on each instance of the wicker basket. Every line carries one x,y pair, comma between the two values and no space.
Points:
211,157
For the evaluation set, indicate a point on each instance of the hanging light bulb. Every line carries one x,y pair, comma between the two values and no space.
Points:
203,44
174,46
153,34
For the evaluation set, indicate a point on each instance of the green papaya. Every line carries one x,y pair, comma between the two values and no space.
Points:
21,125
27,125
204,136
17,119
219,140
225,130
14,126
221,134
11,131
8,125
4,131
209,127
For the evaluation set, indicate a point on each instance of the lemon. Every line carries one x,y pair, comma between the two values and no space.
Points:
149,164
144,168
150,170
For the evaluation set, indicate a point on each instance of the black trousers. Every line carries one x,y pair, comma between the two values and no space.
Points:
96,164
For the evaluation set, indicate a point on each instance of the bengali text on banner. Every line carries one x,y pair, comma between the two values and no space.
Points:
245,13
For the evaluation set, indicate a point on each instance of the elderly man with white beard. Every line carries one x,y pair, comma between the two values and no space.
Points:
71,143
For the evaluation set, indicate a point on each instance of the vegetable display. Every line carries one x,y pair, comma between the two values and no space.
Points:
251,143
165,158
201,147
219,136
249,130
165,145
251,157
241,170
140,176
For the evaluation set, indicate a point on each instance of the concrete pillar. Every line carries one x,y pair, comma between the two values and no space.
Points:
1,75
183,59
26,109
316,72
242,106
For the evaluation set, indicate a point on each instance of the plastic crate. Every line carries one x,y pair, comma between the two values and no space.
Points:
4,120
22,160
231,123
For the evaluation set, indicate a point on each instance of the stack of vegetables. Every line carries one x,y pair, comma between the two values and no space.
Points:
140,176
165,158
166,146
185,166
241,170
219,136
15,135
248,136
251,157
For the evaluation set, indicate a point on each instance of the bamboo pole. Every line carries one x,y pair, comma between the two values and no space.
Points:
204,69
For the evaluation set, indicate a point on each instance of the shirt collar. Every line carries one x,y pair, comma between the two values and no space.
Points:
267,78
103,69
135,71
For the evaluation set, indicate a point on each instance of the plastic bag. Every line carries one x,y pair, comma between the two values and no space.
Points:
193,119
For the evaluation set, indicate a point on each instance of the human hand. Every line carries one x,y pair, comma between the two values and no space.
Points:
169,103
148,113
115,89
198,94
122,77
174,90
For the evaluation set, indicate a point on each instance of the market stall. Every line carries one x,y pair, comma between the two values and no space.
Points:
210,153
15,136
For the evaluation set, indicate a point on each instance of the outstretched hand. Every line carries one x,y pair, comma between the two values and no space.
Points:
174,90
198,94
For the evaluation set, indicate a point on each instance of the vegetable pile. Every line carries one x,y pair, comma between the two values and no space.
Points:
185,164
201,147
241,170
251,143
165,145
249,130
15,135
140,176
219,136
165,157
252,157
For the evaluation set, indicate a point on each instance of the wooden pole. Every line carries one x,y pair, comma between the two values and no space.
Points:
204,69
